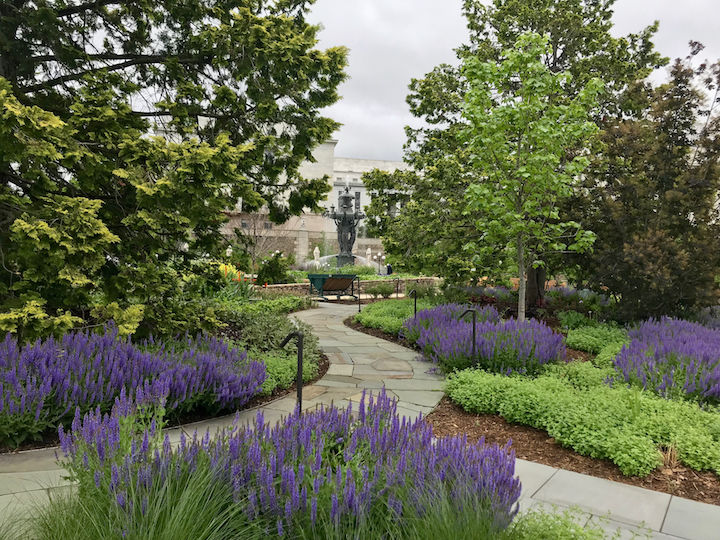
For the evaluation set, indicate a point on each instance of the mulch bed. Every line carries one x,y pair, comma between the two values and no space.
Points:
536,445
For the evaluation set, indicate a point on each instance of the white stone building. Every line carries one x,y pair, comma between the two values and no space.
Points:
302,233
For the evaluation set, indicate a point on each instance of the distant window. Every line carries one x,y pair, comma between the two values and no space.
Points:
268,225
244,225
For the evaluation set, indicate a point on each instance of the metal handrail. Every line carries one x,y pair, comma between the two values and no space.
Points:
299,382
397,288
357,278
413,293
474,317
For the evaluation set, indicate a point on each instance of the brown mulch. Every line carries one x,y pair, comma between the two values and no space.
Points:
536,445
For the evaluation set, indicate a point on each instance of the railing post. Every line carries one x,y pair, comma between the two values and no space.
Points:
397,288
357,278
299,382
413,293
474,318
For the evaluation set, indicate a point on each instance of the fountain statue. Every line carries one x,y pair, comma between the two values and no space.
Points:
346,219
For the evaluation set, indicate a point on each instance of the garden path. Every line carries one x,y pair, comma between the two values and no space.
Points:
359,361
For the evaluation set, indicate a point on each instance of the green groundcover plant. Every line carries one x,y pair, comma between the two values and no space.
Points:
575,406
593,338
390,315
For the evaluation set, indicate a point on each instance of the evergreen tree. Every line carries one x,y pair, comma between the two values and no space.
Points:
651,196
234,87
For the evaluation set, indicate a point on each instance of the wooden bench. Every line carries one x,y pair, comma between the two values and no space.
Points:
337,284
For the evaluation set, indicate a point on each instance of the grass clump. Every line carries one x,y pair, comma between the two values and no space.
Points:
625,425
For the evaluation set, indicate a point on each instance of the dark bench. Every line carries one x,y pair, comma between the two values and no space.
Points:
338,284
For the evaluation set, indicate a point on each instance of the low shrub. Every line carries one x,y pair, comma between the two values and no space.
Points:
226,309
538,524
676,359
275,269
42,384
296,276
358,270
390,315
324,474
500,346
624,425
572,299
424,290
281,369
572,320
593,338
606,357
385,290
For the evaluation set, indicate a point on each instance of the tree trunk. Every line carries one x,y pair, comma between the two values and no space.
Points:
535,285
521,276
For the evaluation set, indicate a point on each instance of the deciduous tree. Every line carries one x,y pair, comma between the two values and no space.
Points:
429,232
519,136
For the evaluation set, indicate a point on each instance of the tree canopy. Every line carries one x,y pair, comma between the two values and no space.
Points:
429,232
523,145
651,195
127,127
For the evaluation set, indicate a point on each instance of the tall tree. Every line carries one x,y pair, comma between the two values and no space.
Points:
519,138
580,42
652,198
234,86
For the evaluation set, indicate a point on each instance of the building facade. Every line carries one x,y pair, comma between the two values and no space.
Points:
301,234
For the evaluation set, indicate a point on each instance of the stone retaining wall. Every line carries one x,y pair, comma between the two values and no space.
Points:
304,288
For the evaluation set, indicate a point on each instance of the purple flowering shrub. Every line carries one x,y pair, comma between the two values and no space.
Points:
319,469
570,298
675,358
501,346
42,384
442,315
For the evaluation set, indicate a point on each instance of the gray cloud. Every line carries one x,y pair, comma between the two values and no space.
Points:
394,41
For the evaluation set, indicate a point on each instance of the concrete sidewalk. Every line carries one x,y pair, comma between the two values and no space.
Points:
359,361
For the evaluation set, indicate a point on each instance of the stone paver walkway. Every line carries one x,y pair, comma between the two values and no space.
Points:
359,361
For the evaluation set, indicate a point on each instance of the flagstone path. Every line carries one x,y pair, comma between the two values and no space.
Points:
358,362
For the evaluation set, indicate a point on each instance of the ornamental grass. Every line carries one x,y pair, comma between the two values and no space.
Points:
323,474
42,384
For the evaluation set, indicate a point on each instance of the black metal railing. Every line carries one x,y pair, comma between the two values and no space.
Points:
300,343
357,278
413,293
397,288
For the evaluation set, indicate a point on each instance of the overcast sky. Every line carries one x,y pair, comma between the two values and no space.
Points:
393,41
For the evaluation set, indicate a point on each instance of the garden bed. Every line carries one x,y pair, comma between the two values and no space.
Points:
52,440
572,354
535,445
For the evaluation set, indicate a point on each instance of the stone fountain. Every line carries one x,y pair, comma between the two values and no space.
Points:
346,219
